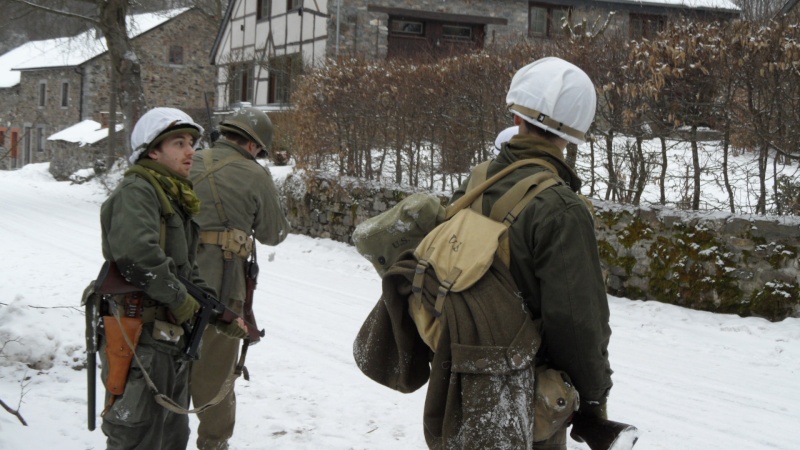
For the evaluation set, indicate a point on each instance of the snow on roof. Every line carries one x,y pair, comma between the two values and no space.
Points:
71,51
694,4
83,133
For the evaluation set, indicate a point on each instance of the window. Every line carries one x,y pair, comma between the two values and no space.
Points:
40,139
176,54
282,71
65,94
2,138
456,32
42,94
293,4
645,26
241,83
263,9
545,21
406,27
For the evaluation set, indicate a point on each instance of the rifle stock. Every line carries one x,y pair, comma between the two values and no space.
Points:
602,434
254,335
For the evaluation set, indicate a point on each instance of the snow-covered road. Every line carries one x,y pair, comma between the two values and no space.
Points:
687,379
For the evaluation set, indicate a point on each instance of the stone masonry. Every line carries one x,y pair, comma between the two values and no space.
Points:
746,265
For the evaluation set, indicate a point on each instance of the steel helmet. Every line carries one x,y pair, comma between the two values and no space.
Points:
250,123
158,124
554,95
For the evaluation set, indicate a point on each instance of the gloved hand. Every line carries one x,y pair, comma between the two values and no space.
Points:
233,330
594,409
590,410
185,310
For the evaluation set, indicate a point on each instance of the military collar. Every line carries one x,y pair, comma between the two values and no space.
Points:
222,142
525,146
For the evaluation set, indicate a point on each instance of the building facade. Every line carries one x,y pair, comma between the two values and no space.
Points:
263,44
70,81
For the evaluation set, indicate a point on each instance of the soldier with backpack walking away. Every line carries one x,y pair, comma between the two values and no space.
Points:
239,202
501,308
148,232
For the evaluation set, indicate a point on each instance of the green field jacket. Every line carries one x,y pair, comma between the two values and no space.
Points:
556,265
131,229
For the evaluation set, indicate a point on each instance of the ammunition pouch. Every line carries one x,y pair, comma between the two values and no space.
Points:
231,240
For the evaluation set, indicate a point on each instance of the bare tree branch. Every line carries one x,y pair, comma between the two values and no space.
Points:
59,12
13,412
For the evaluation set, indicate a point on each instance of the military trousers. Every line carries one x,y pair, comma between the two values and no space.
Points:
218,357
136,421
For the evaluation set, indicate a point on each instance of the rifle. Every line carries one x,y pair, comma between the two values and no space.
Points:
254,335
603,434
209,307
111,282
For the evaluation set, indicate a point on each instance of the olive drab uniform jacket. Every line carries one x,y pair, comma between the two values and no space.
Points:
556,265
131,221
248,201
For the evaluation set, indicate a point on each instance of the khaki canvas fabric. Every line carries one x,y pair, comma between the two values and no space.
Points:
250,203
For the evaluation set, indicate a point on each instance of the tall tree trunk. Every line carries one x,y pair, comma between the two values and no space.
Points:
112,23
662,179
696,168
591,168
761,206
611,193
725,151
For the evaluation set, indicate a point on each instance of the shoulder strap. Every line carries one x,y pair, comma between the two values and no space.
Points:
477,189
507,208
166,206
209,173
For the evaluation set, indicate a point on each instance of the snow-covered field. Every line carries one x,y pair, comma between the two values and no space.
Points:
687,379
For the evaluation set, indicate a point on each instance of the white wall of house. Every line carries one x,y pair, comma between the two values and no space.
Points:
266,41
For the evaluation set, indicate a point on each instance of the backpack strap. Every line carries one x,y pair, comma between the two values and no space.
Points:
479,187
507,208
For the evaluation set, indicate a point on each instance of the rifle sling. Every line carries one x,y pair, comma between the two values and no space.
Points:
164,400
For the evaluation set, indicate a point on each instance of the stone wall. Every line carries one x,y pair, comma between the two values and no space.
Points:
747,265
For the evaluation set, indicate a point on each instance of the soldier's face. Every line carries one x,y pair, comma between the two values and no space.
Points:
176,153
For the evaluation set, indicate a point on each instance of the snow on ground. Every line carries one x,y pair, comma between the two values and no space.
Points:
687,379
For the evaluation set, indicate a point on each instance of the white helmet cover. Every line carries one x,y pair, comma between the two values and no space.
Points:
554,95
154,122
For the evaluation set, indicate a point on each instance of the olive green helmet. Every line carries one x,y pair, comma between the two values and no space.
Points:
250,123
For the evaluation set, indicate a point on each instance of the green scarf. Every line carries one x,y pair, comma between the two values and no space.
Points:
174,185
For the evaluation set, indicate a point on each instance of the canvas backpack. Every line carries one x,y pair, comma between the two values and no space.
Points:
463,256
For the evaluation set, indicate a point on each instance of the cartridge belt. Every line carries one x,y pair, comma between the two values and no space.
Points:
230,240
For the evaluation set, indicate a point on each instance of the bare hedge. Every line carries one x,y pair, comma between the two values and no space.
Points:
738,82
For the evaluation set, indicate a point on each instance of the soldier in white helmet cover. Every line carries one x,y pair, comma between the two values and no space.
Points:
239,203
148,232
554,253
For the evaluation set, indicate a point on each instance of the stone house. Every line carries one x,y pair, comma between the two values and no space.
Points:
263,44
64,81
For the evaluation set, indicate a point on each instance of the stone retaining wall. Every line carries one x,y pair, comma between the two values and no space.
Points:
717,262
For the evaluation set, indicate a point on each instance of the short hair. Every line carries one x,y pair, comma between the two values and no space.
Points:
235,137
533,129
